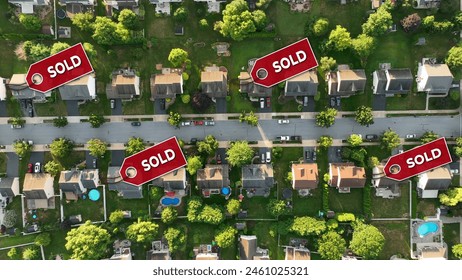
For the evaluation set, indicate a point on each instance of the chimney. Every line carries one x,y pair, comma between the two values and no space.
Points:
302,172
175,172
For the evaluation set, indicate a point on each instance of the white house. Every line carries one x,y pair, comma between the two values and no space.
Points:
27,6
433,77
433,181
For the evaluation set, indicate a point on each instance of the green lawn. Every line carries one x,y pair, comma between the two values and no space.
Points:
307,206
396,239
139,207
198,234
412,101
443,103
13,108
56,247
397,207
16,240
283,165
264,238
451,233
99,106
257,206
285,105
90,210
427,207
55,108
239,101
346,202
377,151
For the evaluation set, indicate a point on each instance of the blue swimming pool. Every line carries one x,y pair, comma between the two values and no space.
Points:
427,228
169,201
94,195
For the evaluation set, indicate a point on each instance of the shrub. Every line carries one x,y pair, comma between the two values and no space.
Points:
345,217
325,197
185,76
185,98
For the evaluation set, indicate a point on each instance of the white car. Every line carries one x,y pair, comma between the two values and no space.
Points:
186,123
283,138
410,136
37,167
283,121
455,171
112,103
262,103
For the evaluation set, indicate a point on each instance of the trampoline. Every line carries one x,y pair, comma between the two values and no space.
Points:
61,14
94,195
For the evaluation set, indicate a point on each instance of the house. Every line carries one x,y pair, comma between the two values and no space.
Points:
120,5
305,84
214,82
163,6
9,187
174,181
213,6
122,251
159,251
384,186
246,85
20,89
212,178
297,253
166,85
248,249
75,182
305,177
27,6
427,4
433,181
125,85
206,252
125,190
257,179
345,176
392,81
433,78
38,191
2,89
345,82
74,7
83,88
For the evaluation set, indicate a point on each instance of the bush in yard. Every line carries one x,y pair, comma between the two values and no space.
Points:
277,152
185,76
58,46
345,217
331,246
30,253
277,208
185,98
332,224
116,217
169,215
411,22
373,162
176,238
9,219
53,167
87,242
156,193
457,251
13,254
325,197
226,236
142,231
320,27
30,22
455,95
180,14
454,59
203,23
367,241
289,177
451,197
177,57
43,239
305,226
233,206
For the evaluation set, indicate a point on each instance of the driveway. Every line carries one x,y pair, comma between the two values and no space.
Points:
3,112
89,160
12,165
379,102
157,109
310,107
117,157
222,153
72,107
37,157
308,154
221,105
117,111
332,154
26,105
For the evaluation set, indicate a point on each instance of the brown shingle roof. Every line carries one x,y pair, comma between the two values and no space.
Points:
346,175
305,176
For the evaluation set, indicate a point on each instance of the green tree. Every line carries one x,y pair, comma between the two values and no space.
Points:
378,23
251,118
326,118
428,22
458,147
363,45
305,226
194,164
61,147
364,116
233,206
177,57
53,167
325,141
185,98
96,120
129,19
87,242
327,64
97,147
30,22
203,23
262,4
21,147
208,146
367,242
355,140
156,193
259,19
116,217
239,153
457,251
277,152
180,14
194,208
454,58
90,50
168,215
345,217
373,162
134,145
174,119
105,31
320,27
331,246
58,46
38,51
13,254
142,231
226,237
30,253
60,121
340,38
10,218
390,139
451,197
277,208
16,121
83,21
428,136
43,239
211,214
176,238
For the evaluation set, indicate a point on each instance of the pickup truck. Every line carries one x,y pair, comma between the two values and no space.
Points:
283,138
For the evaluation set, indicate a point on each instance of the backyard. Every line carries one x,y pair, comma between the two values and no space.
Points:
397,207
396,238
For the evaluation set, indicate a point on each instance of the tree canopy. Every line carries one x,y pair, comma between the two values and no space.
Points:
331,245
378,23
325,141
364,116
305,226
327,64
87,242
177,57
134,145
96,120
60,121
97,147
58,46
320,26
251,118
30,22
30,253
340,38
83,21
428,136
364,46
208,146
180,14
233,206
176,238
458,147
326,118
53,167
277,208
43,239
194,164
367,241
355,140
128,19
142,231
61,147
116,216
457,251
174,119
21,147
390,139
239,153
226,236
168,215
454,58
451,197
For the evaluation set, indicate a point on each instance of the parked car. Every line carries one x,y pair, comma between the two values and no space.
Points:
262,103
262,158
218,159
31,112
283,121
337,99
37,167
185,123
136,123
307,154
295,138
112,103
283,138
268,102
314,155
193,141
162,104
268,157
411,136
305,101
198,122
455,171
371,137
338,152
16,126
30,168
94,163
209,123
400,151
332,102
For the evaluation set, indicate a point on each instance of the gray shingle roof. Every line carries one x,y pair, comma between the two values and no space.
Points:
257,176
213,177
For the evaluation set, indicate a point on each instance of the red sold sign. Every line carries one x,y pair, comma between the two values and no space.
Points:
58,69
152,162
283,64
418,160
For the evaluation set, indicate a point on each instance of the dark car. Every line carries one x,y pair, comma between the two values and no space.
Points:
371,137
338,101
193,141
314,155
136,123
295,138
332,102
268,102
218,159
162,104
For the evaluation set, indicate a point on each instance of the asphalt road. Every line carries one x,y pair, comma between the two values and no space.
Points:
119,132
